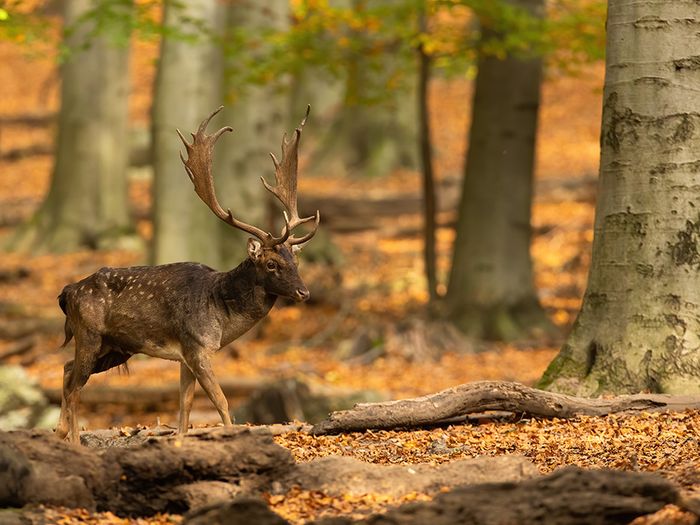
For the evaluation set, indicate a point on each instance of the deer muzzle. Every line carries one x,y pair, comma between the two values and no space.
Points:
301,295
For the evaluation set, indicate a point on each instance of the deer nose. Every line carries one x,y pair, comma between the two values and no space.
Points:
302,294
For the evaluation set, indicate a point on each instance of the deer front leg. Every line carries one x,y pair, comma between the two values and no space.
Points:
200,365
187,384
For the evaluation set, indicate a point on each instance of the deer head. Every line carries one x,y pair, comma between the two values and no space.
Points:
275,258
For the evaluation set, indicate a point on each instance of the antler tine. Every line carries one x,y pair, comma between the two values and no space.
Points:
285,188
198,167
301,240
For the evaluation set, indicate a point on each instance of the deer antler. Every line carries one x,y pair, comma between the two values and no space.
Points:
198,167
285,188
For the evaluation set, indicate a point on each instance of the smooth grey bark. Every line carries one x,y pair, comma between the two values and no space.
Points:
188,88
259,116
491,290
639,325
87,200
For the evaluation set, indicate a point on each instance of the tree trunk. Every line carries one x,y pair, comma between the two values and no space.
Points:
259,115
491,292
370,139
426,158
187,89
640,319
316,85
87,201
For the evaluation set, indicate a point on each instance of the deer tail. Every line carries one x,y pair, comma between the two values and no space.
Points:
66,327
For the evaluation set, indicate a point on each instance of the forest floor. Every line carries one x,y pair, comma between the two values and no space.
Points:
382,286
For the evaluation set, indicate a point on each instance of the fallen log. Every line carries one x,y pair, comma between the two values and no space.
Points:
152,396
481,396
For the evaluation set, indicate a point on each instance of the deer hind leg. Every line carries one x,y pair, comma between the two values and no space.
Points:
187,384
63,420
75,375
201,368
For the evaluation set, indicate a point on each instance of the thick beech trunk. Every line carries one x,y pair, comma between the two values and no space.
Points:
87,201
187,89
491,291
639,325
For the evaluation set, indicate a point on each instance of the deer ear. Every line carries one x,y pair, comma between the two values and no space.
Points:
296,248
254,249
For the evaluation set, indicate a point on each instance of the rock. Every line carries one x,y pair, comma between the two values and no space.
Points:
22,403
239,511
339,475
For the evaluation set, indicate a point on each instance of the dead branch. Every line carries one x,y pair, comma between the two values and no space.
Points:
22,346
484,396
23,152
28,119
24,326
10,275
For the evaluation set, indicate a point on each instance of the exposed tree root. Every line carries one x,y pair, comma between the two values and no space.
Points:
156,474
491,395
569,496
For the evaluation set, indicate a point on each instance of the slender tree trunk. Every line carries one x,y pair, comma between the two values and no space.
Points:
426,157
491,292
188,88
259,115
87,201
640,319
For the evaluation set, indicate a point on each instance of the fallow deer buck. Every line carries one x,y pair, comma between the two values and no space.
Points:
185,311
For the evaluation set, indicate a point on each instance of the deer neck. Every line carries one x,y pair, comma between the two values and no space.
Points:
244,296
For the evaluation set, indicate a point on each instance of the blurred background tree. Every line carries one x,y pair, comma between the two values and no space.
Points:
491,290
258,106
188,80
87,201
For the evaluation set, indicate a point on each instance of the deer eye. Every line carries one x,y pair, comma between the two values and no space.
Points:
271,266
